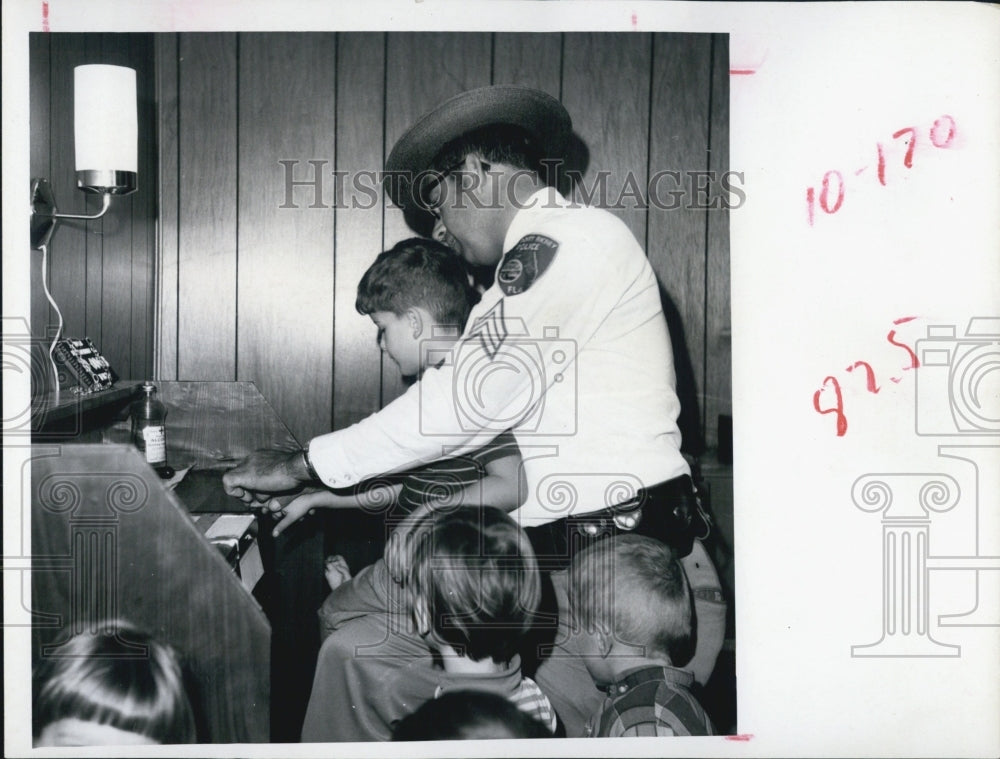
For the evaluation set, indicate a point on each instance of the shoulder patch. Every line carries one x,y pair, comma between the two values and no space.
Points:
525,262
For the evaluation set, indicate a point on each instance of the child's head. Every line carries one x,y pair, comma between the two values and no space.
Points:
631,590
473,582
116,686
417,285
468,715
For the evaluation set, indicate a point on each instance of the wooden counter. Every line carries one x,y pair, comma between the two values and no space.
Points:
109,542
143,559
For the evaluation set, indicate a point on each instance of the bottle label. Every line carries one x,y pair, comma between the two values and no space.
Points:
155,439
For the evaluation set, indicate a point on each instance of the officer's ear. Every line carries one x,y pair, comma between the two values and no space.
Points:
476,165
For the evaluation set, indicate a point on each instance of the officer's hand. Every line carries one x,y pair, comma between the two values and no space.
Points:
265,473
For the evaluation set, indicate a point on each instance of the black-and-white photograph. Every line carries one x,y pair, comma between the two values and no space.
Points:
513,378
381,386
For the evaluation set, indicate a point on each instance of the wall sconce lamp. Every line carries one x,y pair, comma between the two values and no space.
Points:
105,130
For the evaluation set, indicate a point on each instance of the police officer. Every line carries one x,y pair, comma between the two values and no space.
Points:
568,348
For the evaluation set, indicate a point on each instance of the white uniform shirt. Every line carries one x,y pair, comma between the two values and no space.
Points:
569,348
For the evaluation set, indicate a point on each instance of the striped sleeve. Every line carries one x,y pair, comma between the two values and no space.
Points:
530,699
440,479
447,476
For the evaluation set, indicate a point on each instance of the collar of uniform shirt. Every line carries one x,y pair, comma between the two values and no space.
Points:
546,197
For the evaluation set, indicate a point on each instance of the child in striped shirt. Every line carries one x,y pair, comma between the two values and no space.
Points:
472,588
418,294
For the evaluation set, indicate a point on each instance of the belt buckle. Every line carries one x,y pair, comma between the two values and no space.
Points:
592,528
627,515
627,521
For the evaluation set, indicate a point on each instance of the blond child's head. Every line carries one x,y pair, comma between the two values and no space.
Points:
473,583
629,593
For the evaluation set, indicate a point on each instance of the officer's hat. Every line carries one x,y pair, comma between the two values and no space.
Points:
538,113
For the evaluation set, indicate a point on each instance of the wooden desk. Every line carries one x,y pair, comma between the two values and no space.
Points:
109,542
210,427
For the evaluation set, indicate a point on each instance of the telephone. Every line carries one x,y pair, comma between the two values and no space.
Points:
81,367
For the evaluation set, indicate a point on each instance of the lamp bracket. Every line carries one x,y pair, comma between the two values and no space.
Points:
44,213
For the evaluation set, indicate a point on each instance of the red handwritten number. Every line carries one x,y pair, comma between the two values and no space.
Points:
914,363
908,158
838,409
869,373
942,134
871,382
824,194
936,139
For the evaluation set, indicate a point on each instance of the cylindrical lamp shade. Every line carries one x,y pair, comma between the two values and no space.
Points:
105,128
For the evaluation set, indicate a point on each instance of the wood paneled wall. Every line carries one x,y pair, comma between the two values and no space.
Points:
100,272
256,278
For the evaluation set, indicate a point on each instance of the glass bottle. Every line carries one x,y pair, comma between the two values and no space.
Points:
149,432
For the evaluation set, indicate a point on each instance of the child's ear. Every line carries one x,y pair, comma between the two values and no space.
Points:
416,322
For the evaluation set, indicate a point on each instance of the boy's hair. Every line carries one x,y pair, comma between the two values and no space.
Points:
475,574
634,588
418,272
106,678
468,715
